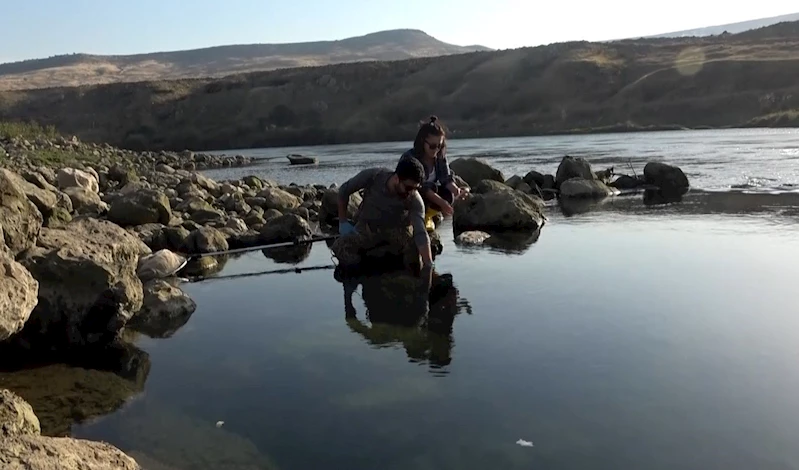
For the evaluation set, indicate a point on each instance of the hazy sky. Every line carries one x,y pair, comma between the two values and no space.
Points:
41,28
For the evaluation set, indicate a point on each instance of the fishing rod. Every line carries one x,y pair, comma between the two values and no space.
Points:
295,270
264,247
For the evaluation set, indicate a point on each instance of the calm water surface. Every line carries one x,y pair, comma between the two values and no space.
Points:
624,338
712,160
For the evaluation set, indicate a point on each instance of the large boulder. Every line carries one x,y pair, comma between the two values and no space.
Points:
43,199
668,178
20,220
286,228
473,170
275,198
498,211
144,206
573,167
328,212
539,179
86,202
583,188
88,288
71,177
18,296
23,446
206,240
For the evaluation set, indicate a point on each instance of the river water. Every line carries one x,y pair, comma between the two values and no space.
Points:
625,336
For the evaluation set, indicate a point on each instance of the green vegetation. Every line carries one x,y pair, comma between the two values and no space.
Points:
724,81
26,130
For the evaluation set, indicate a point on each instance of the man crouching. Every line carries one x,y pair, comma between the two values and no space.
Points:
391,216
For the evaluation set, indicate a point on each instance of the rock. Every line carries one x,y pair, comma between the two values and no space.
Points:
490,186
255,218
583,188
328,211
253,182
497,211
245,239
88,288
271,214
86,202
166,308
474,170
666,177
20,220
71,178
206,240
204,182
151,235
302,212
194,204
16,417
164,168
176,237
472,238
278,199
18,296
514,181
571,167
43,199
208,217
286,228
540,180
144,206
161,264
236,224
35,177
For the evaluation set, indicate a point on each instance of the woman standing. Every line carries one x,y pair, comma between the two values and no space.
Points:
438,190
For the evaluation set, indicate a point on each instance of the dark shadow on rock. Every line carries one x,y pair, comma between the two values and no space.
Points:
289,254
83,385
416,312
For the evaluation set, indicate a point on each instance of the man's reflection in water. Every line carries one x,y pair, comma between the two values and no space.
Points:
417,312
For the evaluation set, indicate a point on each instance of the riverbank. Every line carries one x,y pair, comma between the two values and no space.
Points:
95,237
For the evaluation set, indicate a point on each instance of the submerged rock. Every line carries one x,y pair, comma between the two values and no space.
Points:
23,446
88,287
18,296
498,211
166,308
473,170
472,238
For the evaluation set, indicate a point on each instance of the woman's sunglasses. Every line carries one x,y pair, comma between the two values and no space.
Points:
435,146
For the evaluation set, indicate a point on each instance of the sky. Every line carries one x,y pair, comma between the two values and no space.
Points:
42,28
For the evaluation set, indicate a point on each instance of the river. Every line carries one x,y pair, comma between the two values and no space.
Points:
625,336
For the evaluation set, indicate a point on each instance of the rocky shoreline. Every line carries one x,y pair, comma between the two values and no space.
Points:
93,238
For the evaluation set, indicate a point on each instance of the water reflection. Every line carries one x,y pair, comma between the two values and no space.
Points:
416,313
83,386
289,254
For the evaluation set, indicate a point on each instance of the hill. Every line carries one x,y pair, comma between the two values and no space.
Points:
85,69
746,79
731,28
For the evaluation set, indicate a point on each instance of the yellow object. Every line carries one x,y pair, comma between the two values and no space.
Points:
428,219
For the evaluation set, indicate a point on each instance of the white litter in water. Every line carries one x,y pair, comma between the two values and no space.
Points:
524,443
219,424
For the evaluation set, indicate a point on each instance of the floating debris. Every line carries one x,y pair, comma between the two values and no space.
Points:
219,424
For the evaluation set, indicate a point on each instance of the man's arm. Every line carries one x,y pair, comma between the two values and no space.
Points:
420,236
352,185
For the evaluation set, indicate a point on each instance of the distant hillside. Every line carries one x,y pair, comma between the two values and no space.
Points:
85,69
731,28
748,79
